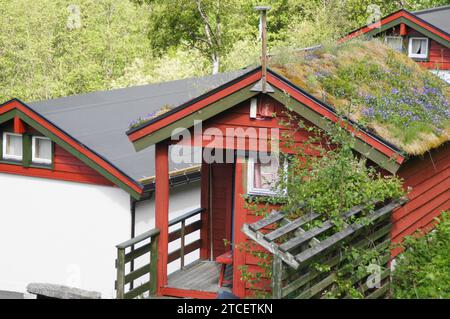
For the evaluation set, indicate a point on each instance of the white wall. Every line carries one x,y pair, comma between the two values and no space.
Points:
60,232
65,233
182,200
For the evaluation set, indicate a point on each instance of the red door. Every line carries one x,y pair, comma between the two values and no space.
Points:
221,206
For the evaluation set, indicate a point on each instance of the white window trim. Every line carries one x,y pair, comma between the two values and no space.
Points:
250,177
393,37
35,159
417,56
9,156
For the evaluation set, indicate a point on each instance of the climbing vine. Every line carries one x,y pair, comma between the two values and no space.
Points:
325,175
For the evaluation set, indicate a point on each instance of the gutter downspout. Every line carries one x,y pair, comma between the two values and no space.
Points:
133,232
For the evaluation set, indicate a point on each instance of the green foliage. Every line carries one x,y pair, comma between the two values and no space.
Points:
325,176
41,57
422,271
337,179
134,42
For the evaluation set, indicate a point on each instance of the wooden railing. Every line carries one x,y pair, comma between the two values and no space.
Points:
181,233
127,254
292,273
129,251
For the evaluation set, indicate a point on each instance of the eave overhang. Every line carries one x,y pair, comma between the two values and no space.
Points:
409,19
16,108
219,100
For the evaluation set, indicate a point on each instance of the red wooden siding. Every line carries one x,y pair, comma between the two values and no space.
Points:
438,56
239,118
72,167
123,181
428,176
65,166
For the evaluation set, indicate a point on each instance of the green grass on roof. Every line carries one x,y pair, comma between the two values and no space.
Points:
380,88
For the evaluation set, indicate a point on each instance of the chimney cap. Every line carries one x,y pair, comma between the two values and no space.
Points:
263,8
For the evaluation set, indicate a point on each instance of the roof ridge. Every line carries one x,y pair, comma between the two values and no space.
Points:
446,6
138,86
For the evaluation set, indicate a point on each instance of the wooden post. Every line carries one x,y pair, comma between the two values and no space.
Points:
204,249
19,126
154,265
182,231
264,60
403,31
162,210
120,273
240,215
277,273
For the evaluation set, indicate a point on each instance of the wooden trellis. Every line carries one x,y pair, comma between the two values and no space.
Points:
295,249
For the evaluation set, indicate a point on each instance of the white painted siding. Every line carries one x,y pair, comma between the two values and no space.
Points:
60,232
182,200
65,233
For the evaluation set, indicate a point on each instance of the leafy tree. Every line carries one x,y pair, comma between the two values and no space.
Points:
205,25
45,55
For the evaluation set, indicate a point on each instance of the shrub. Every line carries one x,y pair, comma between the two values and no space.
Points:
423,270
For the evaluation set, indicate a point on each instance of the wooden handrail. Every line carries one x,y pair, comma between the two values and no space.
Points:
126,254
133,241
181,234
186,216
124,257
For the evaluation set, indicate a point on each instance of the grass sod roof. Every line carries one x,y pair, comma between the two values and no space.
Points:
381,89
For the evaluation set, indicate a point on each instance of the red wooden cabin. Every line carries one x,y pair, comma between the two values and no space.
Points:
423,35
224,212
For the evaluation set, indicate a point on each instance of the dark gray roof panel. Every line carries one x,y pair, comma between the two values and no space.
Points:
100,119
439,17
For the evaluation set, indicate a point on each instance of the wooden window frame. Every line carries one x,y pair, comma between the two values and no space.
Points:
8,157
394,37
418,56
251,190
34,158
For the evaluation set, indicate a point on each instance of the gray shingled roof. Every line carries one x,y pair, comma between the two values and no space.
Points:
99,120
439,17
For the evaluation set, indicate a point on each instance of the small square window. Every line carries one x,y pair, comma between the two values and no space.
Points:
395,43
42,150
12,146
418,48
263,177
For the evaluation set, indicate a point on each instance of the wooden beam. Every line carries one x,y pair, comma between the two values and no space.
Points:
205,113
204,201
162,210
403,30
19,126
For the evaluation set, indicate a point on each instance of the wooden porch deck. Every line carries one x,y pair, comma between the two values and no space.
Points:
201,275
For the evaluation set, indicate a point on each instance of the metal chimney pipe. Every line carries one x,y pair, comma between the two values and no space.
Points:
263,11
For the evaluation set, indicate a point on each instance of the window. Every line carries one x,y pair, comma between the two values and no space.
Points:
418,48
42,150
263,177
12,146
395,43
